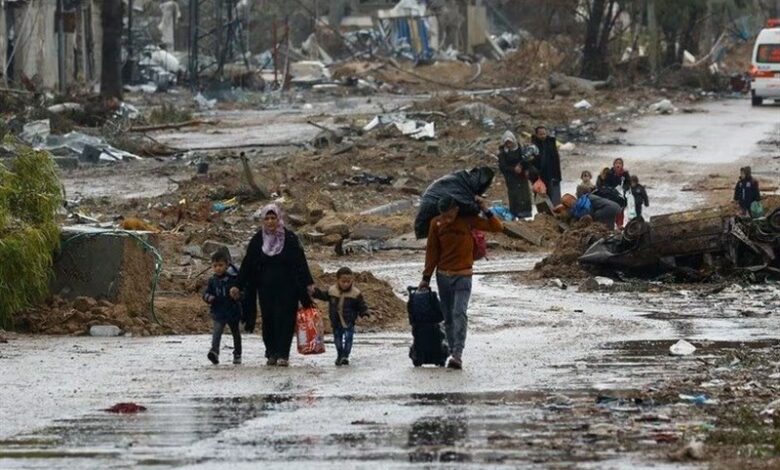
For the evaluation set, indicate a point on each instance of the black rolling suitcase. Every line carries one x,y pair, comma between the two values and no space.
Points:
425,316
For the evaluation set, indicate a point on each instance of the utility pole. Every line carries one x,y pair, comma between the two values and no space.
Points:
61,46
130,52
652,25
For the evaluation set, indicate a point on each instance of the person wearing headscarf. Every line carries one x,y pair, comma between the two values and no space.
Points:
515,170
275,272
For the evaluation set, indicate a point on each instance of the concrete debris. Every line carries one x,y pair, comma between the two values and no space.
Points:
482,113
584,104
87,148
565,85
203,103
694,450
332,225
663,107
682,348
418,130
36,132
65,107
391,208
309,72
105,330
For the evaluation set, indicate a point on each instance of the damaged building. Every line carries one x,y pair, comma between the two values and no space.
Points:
50,43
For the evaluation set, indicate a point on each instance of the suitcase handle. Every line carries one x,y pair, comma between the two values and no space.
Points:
413,289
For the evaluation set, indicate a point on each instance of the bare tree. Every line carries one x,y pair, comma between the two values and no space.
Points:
601,17
111,70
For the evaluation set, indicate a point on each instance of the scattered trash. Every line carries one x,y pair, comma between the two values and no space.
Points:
203,103
558,283
584,104
88,148
663,107
418,130
367,178
694,450
126,408
105,330
559,402
698,399
770,409
65,107
682,348
36,132
222,206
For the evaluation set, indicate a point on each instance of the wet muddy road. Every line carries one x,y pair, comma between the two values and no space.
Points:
543,365
532,355
668,152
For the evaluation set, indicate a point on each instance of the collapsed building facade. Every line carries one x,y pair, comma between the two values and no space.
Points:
51,43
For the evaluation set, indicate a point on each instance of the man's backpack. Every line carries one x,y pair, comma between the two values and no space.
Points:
582,207
480,244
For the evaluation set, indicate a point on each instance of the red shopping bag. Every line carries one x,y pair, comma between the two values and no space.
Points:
310,331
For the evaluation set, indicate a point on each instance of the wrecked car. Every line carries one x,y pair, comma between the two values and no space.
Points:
697,242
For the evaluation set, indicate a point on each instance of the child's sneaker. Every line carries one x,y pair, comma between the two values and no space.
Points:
213,357
236,359
344,361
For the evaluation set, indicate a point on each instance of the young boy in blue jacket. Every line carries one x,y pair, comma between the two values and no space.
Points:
225,308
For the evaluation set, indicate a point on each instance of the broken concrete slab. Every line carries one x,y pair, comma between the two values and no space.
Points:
405,242
331,224
105,330
104,264
561,84
371,232
391,208
522,230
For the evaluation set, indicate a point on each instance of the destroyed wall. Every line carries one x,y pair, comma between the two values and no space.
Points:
36,50
105,267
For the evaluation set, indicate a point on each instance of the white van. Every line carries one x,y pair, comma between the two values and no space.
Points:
765,72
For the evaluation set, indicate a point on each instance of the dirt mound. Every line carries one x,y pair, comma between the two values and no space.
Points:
534,59
388,312
60,317
563,262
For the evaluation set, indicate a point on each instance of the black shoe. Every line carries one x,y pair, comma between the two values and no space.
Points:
213,357
236,359
344,361
338,361
271,361
455,363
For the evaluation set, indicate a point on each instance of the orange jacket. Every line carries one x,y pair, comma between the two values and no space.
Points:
450,247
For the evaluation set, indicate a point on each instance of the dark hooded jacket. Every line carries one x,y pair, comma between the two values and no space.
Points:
548,162
344,307
463,186
223,308
746,191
